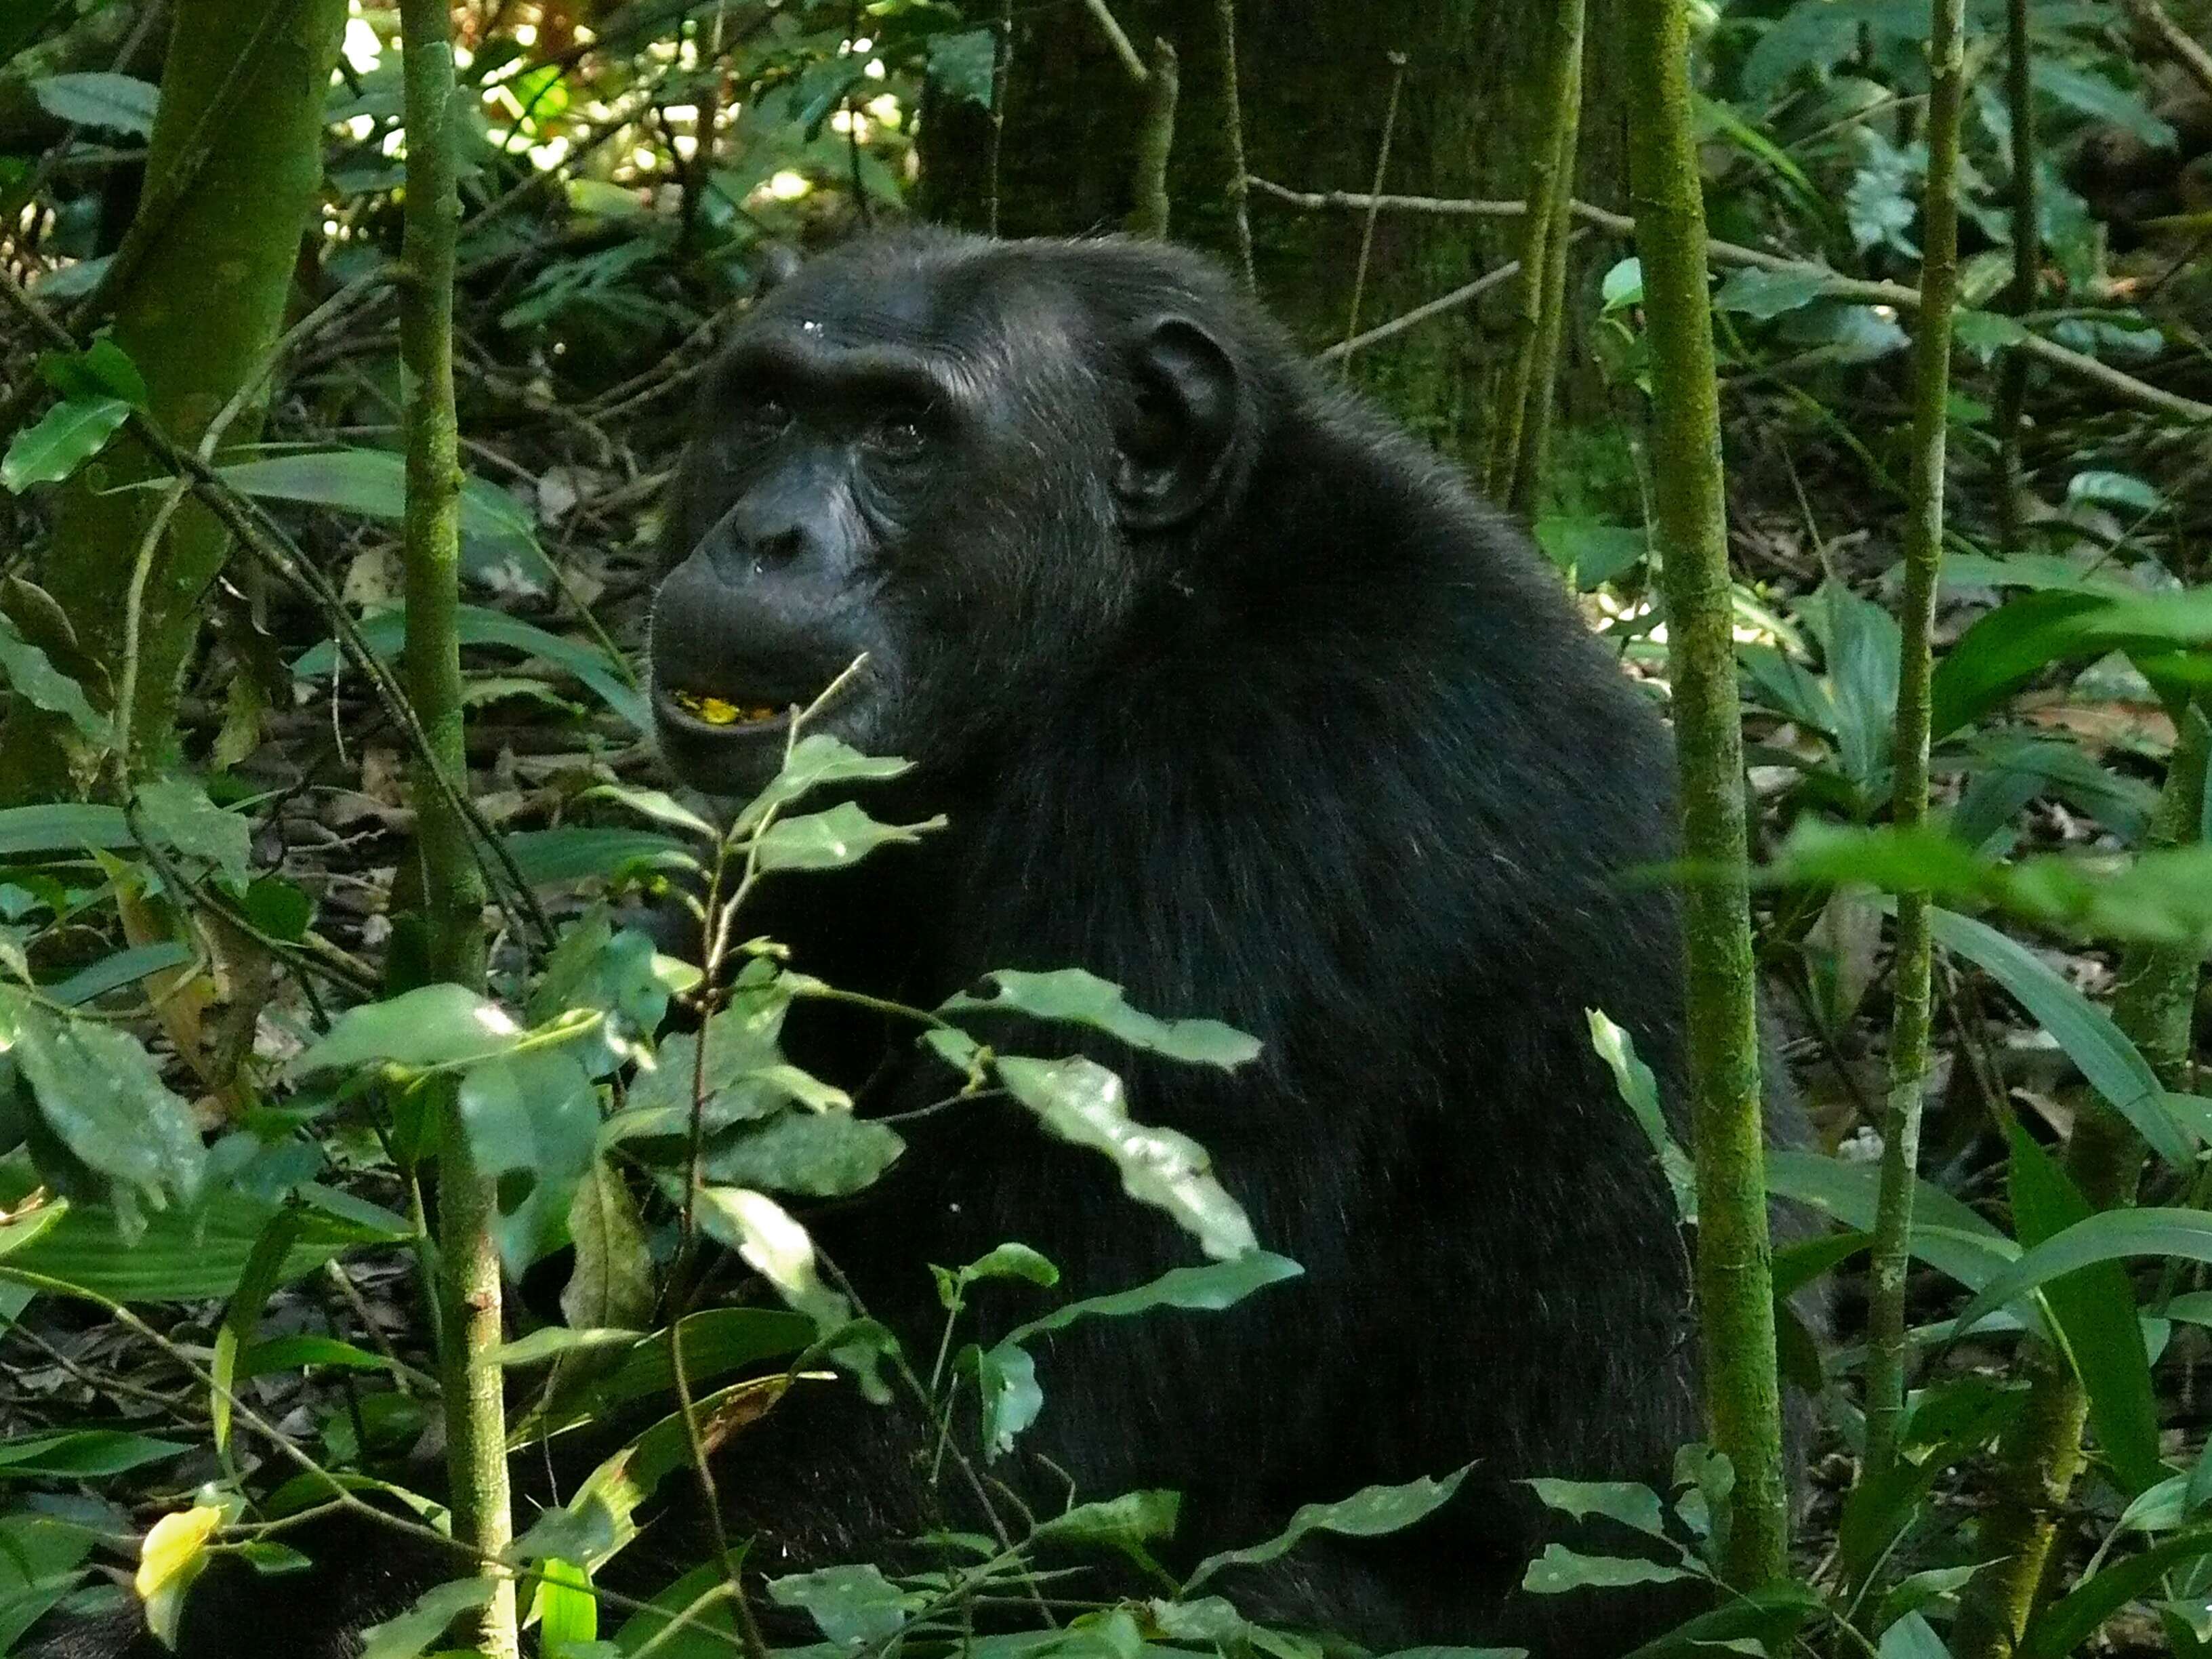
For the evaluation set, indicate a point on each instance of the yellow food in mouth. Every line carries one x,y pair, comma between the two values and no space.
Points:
717,711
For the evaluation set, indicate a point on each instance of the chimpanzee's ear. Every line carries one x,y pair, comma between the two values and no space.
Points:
1173,445
775,263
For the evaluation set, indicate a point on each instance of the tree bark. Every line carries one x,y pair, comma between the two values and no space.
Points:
203,304
1314,79
1735,1269
452,885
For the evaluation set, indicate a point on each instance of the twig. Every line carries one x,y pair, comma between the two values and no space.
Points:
2181,46
1117,38
1002,60
1240,217
1375,195
1436,307
1834,284
1148,217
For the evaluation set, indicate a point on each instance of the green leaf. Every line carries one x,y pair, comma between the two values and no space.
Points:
81,1454
829,841
2065,1626
715,1341
2098,99
612,1282
1083,1102
1639,1091
1008,1395
38,1558
384,632
2112,1065
2094,1311
102,1097
1082,998
1209,1288
243,1316
815,1154
1620,1500
1117,1522
548,857
64,439
1768,1617
1370,1512
184,1255
1559,1569
536,1114
373,482
2108,1235
177,812
1946,1234
2005,647
112,103
1765,295
434,1026
818,761
1623,285
2114,489
852,1605
742,1073
408,1635
774,1246
655,804
1012,1260
64,826
112,972
30,673
567,1612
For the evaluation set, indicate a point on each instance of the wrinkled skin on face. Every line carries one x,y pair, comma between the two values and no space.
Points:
966,464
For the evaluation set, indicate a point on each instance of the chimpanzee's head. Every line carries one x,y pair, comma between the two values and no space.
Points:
972,461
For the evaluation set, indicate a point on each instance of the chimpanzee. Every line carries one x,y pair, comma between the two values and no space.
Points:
1232,694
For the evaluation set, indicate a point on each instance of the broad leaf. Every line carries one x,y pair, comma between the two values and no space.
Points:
1080,1101
1083,999
64,439
94,98
435,1025
831,839
1368,1513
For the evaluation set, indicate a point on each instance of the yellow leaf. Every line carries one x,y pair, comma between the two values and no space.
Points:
171,1557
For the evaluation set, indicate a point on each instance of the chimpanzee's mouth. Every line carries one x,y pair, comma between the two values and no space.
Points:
706,713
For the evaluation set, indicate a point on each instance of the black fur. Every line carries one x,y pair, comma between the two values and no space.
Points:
1234,695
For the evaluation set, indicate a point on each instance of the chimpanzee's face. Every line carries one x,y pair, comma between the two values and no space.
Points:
945,466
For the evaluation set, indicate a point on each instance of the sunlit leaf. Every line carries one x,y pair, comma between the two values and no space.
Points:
1080,1101
433,1025
173,1554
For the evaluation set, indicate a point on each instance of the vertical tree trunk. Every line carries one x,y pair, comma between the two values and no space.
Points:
203,301
453,885
1735,1273
1314,79
1912,973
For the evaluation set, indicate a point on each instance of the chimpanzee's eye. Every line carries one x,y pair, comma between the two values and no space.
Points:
763,417
902,437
